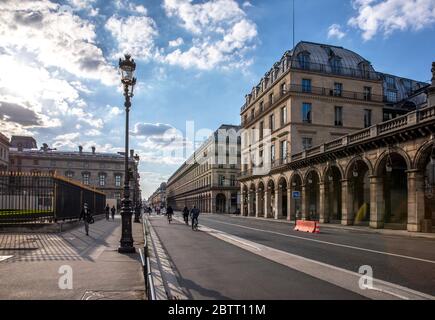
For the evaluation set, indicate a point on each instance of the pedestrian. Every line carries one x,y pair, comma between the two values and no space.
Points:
186,215
86,216
107,212
113,212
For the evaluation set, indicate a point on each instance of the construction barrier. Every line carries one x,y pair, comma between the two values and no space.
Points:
307,226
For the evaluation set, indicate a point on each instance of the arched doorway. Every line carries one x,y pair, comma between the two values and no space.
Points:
221,202
359,192
333,199
282,198
312,192
392,170
296,197
425,166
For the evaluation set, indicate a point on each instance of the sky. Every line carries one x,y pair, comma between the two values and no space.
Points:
196,60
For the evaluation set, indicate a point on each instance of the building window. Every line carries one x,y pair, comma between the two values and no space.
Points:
283,116
307,143
367,93
270,99
272,122
261,106
85,164
367,118
306,85
86,179
306,112
283,149
336,65
338,89
69,174
390,82
233,181
35,162
272,153
339,116
391,96
282,89
304,60
261,130
117,180
221,180
53,163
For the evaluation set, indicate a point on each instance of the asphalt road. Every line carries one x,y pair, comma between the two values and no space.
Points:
209,269
405,261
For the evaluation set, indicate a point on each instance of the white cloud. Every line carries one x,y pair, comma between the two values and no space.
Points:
176,43
221,34
387,16
40,30
134,35
334,31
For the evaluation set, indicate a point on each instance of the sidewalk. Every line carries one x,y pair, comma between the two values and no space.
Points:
389,232
30,264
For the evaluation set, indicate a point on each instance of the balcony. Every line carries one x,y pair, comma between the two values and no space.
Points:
339,71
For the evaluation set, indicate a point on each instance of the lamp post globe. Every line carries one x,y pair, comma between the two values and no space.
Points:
127,67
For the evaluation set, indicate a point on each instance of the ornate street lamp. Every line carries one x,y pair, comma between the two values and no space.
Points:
126,69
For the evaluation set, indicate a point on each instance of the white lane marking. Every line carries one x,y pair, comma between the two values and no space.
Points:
330,243
341,277
3,258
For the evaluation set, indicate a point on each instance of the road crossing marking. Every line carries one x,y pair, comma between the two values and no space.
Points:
329,243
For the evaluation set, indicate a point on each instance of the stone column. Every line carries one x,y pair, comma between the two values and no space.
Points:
278,202
289,202
304,203
376,202
346,201
249,204
267,203
416,207
257,204
323,215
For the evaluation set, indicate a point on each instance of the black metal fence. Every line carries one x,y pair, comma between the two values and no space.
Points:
39,197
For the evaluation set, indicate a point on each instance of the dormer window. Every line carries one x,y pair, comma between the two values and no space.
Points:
336,65
365,69
304,60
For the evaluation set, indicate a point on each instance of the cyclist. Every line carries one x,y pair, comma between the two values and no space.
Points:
194,214
186,215
169,212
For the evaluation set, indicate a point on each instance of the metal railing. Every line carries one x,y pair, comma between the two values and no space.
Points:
44,198
146,263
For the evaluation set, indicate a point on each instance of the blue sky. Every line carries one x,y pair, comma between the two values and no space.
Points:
196,61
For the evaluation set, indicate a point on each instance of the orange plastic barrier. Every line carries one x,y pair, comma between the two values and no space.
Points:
307,226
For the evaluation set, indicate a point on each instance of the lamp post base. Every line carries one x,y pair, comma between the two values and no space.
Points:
126,243
126,250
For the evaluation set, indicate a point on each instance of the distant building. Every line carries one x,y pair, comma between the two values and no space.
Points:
158,198
208,179
22,142
104,171
4,152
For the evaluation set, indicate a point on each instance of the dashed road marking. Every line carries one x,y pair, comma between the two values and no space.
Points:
4,258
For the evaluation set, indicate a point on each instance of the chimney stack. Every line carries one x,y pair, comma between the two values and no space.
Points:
80,149
431,90
131,153
93,150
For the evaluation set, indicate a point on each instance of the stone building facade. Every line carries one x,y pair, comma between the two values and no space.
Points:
158,198
209,178
382,175
104,171
4,152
